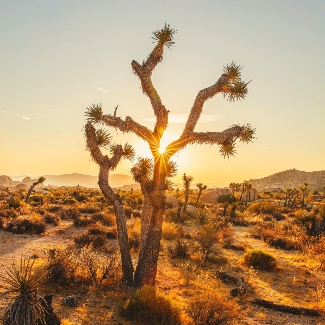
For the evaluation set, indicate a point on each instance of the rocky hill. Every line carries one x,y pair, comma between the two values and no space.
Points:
74,179
289,179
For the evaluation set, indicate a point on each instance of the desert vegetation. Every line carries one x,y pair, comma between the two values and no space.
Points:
162,254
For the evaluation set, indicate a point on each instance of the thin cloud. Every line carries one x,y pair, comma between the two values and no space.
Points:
182,118
101,89
18,115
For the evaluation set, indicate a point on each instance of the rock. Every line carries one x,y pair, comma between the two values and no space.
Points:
212,196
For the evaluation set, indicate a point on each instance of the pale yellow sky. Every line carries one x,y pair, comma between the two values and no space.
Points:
59,57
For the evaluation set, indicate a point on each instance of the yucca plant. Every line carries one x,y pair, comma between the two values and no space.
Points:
27,307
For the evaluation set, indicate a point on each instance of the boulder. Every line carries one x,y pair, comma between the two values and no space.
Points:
212,195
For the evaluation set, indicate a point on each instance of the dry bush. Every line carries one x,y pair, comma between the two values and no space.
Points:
32,224
260,260
179,250
176,216
212,308
107,219
83,221
134,234
90,209
171,230
70,213
94,240
264,207
69,266
52,218
285,235
215,232
54,208
149,307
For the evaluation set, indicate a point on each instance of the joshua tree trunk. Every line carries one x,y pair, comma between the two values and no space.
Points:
39,181
105,165
152,173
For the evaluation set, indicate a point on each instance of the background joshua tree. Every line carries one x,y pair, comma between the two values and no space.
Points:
304,192
153,173
201,188
187,180
39,181
235,187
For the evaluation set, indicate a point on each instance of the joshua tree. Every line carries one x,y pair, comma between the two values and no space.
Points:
39,181
304,192
152,173
187,180
248,187
235,187
201,188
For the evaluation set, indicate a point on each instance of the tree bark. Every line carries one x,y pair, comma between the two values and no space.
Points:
127,266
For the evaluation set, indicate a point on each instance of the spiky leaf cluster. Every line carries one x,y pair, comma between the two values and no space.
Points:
235,89
247,134
227,149
164,36
26,307
41,179
94,113
142,169
128,151
171,169
103,138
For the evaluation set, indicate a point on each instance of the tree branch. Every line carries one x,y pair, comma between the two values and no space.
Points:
200,99
96,153
144,71
245,133
129,125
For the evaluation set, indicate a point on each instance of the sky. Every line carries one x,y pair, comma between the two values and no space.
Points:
60,56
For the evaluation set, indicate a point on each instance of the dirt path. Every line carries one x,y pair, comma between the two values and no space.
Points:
294,283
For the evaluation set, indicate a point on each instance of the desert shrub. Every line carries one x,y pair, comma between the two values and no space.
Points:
83,221
71,213
312,222
95,240
69,266
171,230
128,211
54,208
69,201
111,232
212,308
134,234
136,213
81,197
213,233
282,242
52,218
90,209
264,207
9,213
27,225
27,307
176,215
179,250
260,260
149,307
14,202
107,219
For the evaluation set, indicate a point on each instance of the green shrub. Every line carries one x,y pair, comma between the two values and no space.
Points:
148,307
212,308
260,260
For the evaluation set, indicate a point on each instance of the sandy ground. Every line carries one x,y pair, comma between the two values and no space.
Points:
294,283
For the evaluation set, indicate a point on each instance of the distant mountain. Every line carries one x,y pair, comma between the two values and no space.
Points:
289,179
75,179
